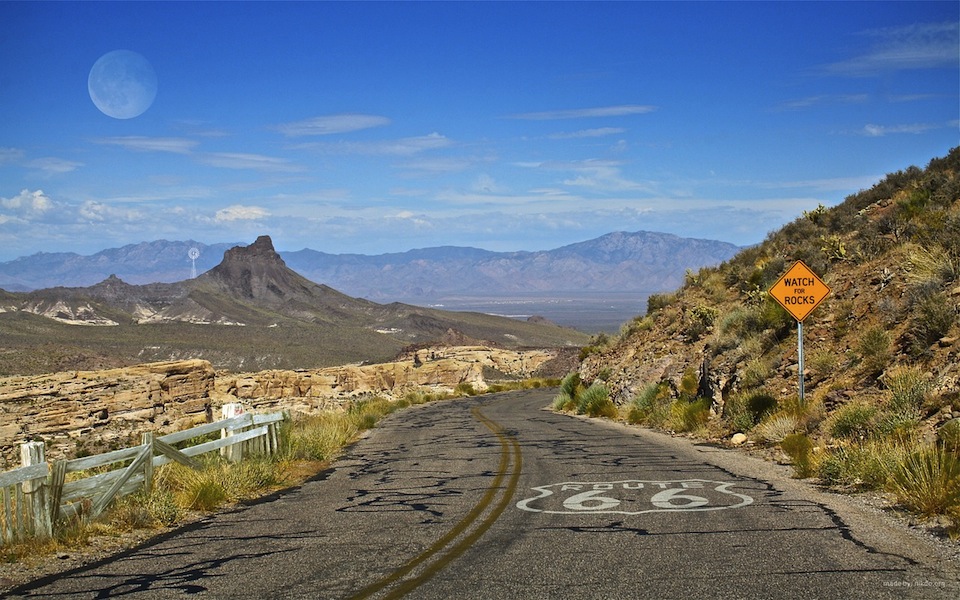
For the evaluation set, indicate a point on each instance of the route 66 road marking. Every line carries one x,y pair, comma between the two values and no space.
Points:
634,497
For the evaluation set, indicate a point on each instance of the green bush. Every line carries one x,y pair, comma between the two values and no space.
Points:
949,436
799,448
874,349
657,302
855,421
689,416
933,317
859,466
908,390
927,481
651,405
595,402
570,388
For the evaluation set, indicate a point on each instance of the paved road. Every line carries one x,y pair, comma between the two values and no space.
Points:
495,497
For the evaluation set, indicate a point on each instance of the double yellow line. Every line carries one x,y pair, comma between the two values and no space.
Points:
454,543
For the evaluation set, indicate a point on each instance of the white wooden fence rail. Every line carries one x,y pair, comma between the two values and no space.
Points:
37,497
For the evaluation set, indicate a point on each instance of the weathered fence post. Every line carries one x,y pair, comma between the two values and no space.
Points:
234,452
33,453
147,440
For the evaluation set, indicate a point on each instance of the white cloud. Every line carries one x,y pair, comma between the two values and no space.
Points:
331,124
100,212
28,203
151,144
581,113
872,130
916,46
587,133
238,212
255,162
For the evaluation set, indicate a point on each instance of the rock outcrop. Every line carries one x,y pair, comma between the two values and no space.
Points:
93,411
81,411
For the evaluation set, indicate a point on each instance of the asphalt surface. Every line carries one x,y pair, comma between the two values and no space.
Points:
496,497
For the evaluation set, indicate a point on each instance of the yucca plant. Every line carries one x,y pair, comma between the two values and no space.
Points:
595,402
927,481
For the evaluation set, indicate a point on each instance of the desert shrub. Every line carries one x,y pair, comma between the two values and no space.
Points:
776,427
365,414
800,449
925,265
570,388
636,325
854,421
689,384
689,416
700,320
465,388
651,404
908,390
744,410
318,437
144,511
948,436
859,466
756,372
933,316
656,302
822,363
927,481
760,404
595,402
874,349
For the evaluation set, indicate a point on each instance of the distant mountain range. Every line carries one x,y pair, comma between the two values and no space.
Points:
251,311
617,262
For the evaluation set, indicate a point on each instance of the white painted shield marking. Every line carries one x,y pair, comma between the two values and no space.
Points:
634,497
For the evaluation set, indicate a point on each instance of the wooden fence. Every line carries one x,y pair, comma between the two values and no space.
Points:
37,497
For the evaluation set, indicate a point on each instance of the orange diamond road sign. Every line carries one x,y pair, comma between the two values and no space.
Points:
799,291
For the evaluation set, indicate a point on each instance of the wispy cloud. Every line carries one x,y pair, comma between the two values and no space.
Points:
621,110
595,175
586,133
872,130
255,162
238,212
140,143
917,46
331,124
822,100
10,155
53,166
399,147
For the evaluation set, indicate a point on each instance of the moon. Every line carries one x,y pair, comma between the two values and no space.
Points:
122,84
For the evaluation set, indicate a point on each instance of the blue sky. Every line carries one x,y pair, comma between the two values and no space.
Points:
381,127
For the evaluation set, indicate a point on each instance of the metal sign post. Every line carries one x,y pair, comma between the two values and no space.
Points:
799,291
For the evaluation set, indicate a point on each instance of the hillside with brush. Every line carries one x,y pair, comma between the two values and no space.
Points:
719,357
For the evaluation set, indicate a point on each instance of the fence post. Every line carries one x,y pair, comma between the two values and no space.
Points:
145,439
232,453
33,453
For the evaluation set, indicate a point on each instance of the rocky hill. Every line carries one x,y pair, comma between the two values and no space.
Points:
623,262
882,352
249,312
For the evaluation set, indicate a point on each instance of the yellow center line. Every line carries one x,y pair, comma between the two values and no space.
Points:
508,448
